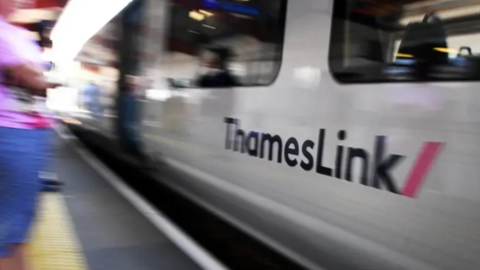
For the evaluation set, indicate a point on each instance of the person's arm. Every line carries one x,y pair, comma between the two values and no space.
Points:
22,72
27,76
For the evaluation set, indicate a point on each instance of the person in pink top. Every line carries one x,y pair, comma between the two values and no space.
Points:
23,135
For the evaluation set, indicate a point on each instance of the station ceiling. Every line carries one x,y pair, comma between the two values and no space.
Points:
44,12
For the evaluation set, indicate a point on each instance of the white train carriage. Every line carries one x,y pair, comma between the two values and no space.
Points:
349,138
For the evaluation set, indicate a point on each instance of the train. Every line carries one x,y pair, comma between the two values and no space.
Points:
344,134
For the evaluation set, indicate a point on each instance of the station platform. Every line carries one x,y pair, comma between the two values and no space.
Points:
90,225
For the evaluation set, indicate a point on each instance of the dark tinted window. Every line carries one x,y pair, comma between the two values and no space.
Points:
252,30
405,40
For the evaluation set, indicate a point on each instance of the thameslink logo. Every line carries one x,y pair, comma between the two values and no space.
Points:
262,145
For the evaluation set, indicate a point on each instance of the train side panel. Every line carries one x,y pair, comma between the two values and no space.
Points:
335,175
297,201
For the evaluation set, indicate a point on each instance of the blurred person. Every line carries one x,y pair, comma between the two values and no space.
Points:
136,86
24,132
218,74
92,94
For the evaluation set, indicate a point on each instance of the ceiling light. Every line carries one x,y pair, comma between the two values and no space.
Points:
196,15
209,14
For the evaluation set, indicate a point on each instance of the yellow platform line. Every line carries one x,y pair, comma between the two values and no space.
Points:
54,242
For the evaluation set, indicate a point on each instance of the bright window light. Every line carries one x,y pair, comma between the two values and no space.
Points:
80,20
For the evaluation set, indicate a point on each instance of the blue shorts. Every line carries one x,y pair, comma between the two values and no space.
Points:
23,154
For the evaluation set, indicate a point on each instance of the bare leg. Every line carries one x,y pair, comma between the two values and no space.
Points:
20,257
9,263
18,261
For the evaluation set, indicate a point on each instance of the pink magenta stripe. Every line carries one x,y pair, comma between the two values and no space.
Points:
425,159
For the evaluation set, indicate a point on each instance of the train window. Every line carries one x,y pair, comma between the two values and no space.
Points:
248,35
405,40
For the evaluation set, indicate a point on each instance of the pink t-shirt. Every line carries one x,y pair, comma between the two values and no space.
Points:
16,47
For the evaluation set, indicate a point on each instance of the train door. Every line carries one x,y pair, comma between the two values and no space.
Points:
130,83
